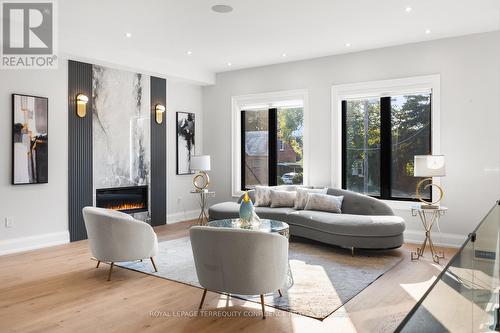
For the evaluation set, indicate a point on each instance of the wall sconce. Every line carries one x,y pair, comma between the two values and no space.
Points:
81,105
160,109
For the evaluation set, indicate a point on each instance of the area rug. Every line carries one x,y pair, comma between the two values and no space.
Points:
324,277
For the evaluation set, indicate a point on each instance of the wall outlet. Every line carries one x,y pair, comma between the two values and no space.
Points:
9,222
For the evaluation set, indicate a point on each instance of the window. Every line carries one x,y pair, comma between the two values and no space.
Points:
272,146
281,145
255,145
380,137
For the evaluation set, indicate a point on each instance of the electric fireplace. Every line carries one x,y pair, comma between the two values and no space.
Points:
132,199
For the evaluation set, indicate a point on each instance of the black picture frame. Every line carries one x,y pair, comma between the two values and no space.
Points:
38,167
185,125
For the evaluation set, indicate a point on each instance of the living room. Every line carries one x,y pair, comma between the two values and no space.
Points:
260,166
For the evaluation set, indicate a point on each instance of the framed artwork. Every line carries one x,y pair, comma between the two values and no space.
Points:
30,120
185,141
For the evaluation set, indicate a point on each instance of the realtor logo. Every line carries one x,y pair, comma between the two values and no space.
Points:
28,35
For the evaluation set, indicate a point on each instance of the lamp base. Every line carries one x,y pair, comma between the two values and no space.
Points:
201,181
429,206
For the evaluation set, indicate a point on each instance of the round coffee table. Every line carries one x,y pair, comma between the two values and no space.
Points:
265,225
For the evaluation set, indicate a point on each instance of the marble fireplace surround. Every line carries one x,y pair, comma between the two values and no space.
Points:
121,125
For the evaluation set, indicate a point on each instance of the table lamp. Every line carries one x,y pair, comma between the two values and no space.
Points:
429,166
200,163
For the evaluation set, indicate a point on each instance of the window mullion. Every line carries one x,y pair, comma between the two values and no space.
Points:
344,145
273,146
385,147
243,151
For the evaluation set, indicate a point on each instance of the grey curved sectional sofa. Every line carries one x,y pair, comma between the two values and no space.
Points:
365,222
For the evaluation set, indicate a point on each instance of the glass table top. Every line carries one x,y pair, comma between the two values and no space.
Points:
264,225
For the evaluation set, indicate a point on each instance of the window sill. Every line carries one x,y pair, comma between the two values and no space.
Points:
400,204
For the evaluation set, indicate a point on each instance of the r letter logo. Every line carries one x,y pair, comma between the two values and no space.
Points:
28,35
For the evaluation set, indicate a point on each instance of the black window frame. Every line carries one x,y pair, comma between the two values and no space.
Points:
272,148
385,148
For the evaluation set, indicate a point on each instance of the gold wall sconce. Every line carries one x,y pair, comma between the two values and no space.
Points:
81,105
160,110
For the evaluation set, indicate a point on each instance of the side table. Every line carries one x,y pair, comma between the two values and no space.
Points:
428,217
204,194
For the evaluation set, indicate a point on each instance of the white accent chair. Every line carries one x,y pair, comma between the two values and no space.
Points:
115,236
236,261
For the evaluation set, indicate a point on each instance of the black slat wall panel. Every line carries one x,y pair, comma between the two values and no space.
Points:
79,148
158,199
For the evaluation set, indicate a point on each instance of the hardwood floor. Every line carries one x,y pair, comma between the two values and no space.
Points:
59,289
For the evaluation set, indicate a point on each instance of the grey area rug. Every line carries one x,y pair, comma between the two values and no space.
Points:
324,277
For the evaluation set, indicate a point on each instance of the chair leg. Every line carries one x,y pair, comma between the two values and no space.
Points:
202,299
110,270
154,265
263,306
98,262
279,292
352,251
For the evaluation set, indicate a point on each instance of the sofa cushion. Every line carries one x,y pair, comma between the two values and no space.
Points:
283,198
348,224
230,210
224,210
324,202
278,214
300,202
262,196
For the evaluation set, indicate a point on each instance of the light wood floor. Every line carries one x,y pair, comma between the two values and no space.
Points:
58,289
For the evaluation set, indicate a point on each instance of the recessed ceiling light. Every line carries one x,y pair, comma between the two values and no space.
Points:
283,55
408,9
348,44
229,64
189,52
428,31
222,9
128,35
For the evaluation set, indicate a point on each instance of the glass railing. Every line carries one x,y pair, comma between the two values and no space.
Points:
465,295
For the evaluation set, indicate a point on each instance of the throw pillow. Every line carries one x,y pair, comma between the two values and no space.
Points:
263,193
262,196
324,202
282,198
301,200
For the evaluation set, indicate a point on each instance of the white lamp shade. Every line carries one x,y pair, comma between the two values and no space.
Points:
200,162
429,166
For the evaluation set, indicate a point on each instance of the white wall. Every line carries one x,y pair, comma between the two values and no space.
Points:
470,116
40,212
184,97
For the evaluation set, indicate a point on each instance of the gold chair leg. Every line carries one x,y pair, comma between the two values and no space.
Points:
352,251
110,270
98,262
279,292
154,265
202,299
263,306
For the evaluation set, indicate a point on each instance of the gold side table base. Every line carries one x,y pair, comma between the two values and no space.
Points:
204,194
436,213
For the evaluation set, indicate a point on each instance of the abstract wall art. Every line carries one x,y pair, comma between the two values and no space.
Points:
30,163
185,141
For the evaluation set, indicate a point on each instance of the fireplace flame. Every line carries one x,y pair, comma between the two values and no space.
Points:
127,206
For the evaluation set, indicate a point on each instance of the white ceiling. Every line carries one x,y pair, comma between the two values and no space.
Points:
256,33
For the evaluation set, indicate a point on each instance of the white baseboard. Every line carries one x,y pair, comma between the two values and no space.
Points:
183,216
438,238
21,244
